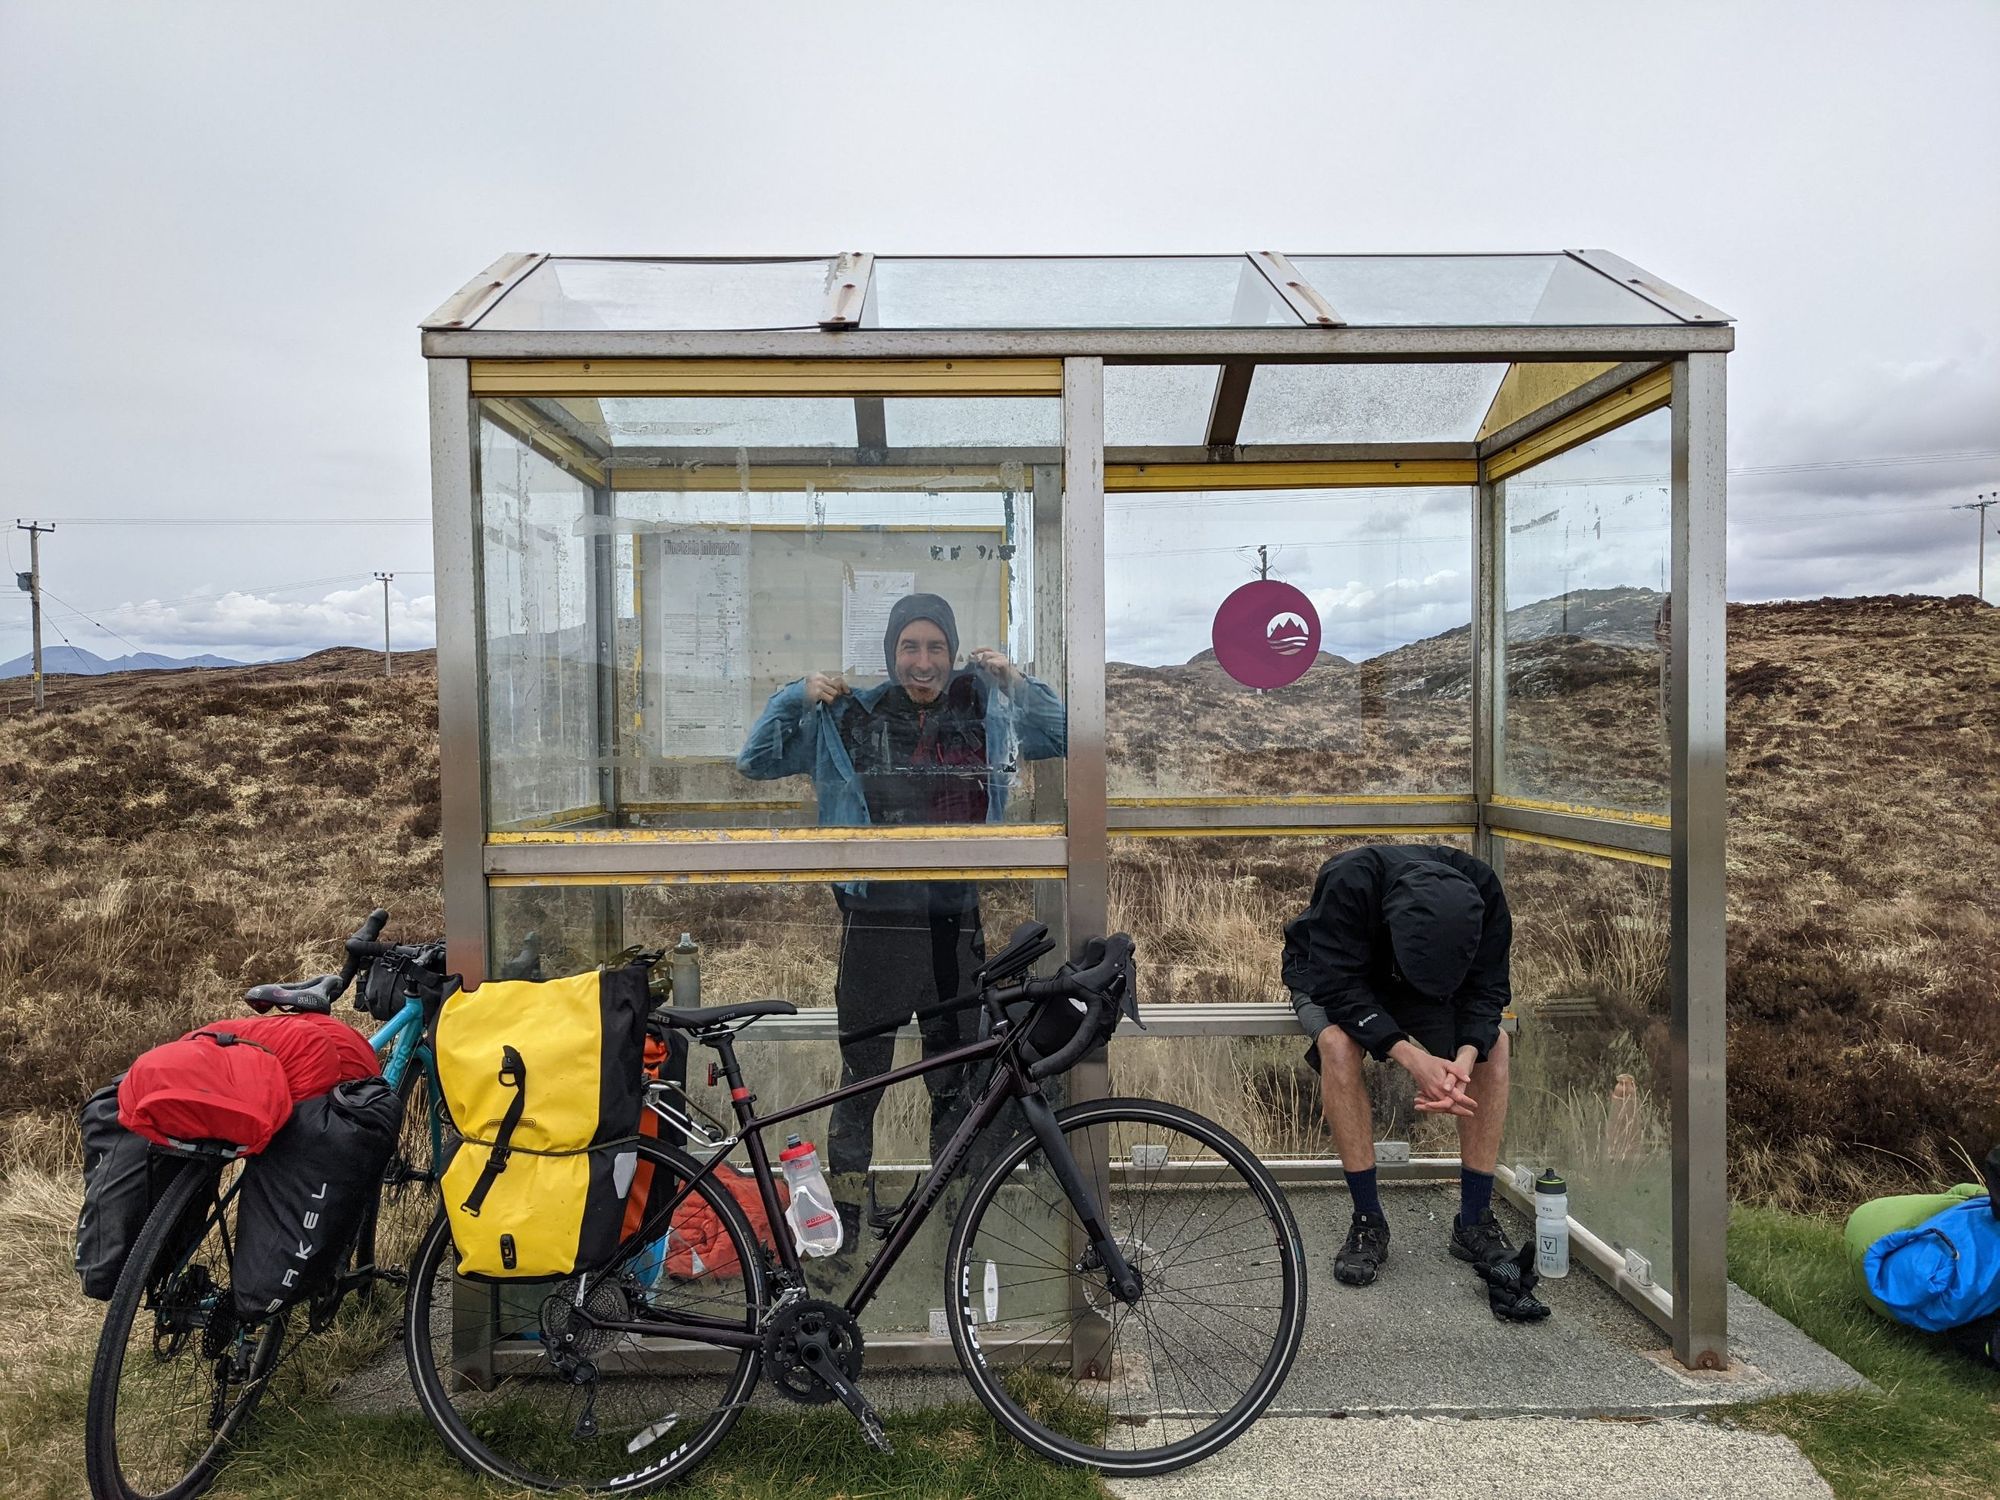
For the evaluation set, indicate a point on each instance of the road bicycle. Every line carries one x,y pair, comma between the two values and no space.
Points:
178,1373
1124,1283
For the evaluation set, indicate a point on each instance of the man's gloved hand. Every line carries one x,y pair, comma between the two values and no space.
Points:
1510,1287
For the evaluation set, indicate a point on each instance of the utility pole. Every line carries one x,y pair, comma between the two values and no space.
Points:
388,669
1979,508
1263,562
31,583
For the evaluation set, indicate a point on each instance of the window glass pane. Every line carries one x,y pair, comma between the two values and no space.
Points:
997,421
716,640
1591,1082
698,422
1588,550
575,295
1210,914
897,947
1476,290
1368,403
541,679
1384,707
1157,405
1164,292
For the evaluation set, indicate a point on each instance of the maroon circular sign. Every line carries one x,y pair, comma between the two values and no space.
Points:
1266,634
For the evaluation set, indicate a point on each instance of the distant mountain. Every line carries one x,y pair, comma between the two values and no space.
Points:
74,661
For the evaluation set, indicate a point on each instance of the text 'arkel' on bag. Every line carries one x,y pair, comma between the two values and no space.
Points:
544,1082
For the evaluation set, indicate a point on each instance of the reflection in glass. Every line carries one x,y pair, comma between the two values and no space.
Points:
1473,290
1386,708
1222,291
577,295
1588,550
1401,403
1591,1058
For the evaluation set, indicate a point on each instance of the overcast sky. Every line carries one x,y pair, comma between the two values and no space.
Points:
220,224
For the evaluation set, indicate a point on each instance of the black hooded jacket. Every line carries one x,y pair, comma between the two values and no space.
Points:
1340,966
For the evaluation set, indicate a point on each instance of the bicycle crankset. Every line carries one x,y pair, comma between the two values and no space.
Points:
786,1338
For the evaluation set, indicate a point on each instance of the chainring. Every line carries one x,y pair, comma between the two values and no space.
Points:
567,1335
786,1364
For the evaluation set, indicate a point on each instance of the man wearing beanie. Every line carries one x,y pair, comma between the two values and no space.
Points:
934,743
1403,956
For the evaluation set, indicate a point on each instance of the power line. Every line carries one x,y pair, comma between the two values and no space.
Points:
106,629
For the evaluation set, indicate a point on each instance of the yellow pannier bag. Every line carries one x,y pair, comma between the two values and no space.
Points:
544,1083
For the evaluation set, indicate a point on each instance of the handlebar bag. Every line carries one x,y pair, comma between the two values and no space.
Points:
123,1177
209,1085
304,1195
544,1084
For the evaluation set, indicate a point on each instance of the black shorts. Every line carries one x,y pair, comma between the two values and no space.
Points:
1433,1029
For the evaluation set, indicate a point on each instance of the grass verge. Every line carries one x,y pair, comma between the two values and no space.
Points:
1933,1426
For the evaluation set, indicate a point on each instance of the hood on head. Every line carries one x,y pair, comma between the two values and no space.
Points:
1435,917
918,607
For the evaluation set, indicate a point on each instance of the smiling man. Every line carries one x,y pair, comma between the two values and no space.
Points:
1403,956
935,743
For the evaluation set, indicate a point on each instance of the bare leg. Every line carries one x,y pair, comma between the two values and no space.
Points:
1344,1098
1479,1135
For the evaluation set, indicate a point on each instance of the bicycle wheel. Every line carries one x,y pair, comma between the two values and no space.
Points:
611,1412
176,1374
1079,1376
394,1224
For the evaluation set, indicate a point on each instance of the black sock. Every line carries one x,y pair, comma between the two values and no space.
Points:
1475,1195
1361,1185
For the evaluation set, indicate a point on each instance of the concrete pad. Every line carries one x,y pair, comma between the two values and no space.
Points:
1521,1458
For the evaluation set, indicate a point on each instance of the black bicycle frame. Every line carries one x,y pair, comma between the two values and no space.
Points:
1009,1083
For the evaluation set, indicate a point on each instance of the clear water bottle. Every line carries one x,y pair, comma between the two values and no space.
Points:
684,972
814,1220
1551,1225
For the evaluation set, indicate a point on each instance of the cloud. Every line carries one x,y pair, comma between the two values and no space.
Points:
265,623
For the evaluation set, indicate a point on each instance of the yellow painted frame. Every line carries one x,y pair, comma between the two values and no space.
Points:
859,835
1648,393
1127,479
1579,846
779,877
1584,810
1303,830
766,377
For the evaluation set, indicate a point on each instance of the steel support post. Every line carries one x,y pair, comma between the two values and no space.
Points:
461,776
609,913
1696,665
1489,659
1048,661
1088,887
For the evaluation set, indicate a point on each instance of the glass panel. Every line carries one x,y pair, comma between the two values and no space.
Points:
1157,405
786,643
1476,290
698,422
1588,550
1385,707
1368,403
1210,913
1591,1080
1163,292
897,946
541,678
575,295
993,422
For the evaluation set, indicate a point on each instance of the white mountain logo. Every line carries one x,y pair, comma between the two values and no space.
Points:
1287,634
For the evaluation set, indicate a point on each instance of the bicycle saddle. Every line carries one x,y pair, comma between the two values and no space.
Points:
313,995
707,1017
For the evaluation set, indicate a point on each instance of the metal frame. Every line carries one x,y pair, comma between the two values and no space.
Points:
1678,364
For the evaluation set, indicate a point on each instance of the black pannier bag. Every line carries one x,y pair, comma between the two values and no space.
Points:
123,1177
303,1197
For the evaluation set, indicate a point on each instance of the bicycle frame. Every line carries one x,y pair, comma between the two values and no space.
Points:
401,1038
1009,1083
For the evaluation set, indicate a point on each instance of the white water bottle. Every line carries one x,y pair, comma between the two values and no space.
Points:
814,1220
1551,1225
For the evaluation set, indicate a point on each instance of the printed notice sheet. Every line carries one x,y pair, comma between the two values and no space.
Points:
866,599
696,600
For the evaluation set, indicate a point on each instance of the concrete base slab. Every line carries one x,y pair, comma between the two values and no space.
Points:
1522,1458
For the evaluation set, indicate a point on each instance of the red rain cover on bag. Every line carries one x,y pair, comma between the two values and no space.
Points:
206,1088
698,1245
319,1053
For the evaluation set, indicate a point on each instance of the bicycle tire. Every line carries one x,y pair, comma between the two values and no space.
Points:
424,1322
104,1465
987,1366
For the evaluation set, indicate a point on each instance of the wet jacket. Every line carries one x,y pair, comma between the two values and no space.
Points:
1339,964
955,763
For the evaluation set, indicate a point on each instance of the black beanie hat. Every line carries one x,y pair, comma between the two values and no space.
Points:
918,607
1435,918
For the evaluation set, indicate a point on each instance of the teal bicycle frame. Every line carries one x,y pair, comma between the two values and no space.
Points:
399,1042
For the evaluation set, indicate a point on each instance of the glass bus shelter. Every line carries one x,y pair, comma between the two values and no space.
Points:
667,493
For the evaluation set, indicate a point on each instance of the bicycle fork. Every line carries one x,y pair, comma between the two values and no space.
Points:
1122,1278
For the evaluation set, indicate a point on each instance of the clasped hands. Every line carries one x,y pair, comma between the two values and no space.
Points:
1443,1083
